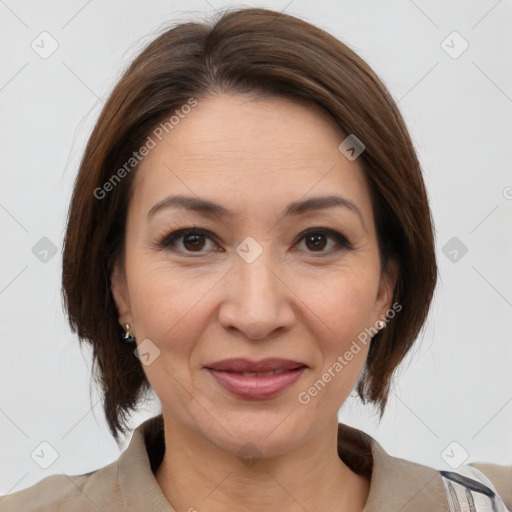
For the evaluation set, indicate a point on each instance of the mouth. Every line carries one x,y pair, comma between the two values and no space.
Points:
259,374
242,365
256,379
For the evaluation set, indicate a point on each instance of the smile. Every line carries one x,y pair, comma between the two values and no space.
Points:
256,385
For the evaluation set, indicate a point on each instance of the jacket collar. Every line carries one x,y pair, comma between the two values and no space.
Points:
396,484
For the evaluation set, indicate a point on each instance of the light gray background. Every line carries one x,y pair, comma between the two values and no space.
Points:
456,386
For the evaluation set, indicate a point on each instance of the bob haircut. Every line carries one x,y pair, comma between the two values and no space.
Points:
262,53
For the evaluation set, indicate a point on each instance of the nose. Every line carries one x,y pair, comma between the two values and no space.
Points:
257,300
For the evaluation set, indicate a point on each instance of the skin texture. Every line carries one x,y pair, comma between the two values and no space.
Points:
203,303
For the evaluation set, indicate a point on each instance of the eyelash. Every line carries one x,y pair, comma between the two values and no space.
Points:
170,239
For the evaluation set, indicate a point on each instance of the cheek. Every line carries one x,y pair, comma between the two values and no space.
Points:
173,307
167,305
345,309
344,303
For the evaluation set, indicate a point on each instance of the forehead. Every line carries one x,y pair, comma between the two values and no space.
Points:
246,152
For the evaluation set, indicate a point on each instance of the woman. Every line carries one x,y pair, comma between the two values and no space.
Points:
250,237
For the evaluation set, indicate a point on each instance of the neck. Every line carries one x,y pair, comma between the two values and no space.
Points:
196,475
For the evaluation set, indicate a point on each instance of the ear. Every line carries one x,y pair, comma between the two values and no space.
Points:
119,289
386,290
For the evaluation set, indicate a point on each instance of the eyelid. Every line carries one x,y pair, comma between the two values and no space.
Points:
174,235
342,241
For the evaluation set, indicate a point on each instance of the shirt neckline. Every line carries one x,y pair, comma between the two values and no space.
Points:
395,484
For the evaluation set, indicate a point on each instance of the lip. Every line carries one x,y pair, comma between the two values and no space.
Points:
239,364
229,374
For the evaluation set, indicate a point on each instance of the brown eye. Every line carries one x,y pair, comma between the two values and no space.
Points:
316,242
186,241
193,242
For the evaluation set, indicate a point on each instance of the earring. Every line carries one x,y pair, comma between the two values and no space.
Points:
381,324
128,337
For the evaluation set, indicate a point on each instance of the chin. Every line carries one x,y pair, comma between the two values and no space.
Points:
266,433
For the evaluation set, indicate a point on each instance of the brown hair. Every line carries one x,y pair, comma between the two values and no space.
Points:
245,51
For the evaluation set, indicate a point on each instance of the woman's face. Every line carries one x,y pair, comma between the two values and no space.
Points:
259,277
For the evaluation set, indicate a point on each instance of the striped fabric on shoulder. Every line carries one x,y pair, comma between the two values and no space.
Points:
468,489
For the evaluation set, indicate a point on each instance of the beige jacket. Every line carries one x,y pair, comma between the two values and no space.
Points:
128,484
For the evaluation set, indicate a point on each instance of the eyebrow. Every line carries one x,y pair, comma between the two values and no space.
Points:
294,209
